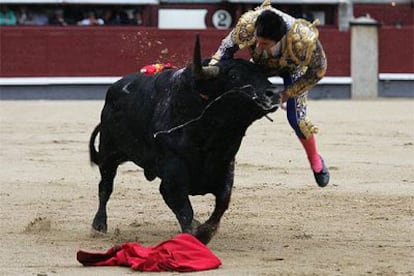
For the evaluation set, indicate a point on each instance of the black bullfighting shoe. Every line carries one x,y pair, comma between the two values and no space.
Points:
322,177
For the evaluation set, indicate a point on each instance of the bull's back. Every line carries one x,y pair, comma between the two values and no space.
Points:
124,119
140,89
126,88
128,117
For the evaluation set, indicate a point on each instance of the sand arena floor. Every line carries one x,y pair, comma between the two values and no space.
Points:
279,222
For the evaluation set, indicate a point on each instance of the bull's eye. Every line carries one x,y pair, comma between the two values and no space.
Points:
233,77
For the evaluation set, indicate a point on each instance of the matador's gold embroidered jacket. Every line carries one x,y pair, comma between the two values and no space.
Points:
298,53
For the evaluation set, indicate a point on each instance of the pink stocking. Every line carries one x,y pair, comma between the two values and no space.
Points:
312,153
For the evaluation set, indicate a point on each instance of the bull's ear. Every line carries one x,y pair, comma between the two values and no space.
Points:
199,71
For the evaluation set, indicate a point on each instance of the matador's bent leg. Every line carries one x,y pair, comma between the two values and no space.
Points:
305,130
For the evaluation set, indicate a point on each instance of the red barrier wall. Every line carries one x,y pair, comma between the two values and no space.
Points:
115,51
337,46
92,51
396,50
387,14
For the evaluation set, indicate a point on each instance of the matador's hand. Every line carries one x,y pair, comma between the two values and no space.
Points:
283,100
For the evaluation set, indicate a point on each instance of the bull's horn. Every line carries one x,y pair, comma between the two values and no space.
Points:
197,71
202,72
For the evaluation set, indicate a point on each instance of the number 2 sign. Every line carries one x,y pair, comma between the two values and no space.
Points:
221,19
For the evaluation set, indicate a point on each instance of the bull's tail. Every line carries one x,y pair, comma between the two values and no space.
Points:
93,153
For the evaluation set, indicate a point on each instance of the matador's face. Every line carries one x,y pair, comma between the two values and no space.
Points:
264,44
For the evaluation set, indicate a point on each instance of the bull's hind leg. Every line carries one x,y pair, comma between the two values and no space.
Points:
108,171
207,230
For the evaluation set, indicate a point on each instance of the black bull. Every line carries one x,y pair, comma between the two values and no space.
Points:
184,126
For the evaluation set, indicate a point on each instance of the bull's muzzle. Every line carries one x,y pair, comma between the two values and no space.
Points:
269,99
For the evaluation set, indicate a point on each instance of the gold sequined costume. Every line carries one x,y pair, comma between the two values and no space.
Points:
299,54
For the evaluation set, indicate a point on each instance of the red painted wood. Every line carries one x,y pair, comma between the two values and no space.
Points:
387,14
337,48
396,50
115,51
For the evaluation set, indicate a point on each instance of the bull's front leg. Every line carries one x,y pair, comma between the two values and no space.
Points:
175,193
207,230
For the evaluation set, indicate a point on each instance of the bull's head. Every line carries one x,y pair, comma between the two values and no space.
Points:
235,75
234,92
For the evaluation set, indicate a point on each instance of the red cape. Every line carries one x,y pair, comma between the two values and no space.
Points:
184,253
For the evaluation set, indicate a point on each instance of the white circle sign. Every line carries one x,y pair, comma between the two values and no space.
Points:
222,19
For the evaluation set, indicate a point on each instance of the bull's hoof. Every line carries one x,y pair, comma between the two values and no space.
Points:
96,234
205,232
192,228
100,228
99,225
194,225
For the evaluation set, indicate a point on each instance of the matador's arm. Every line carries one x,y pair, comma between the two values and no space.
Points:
226,50
241,37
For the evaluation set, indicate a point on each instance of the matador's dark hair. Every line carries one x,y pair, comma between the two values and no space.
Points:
270,25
